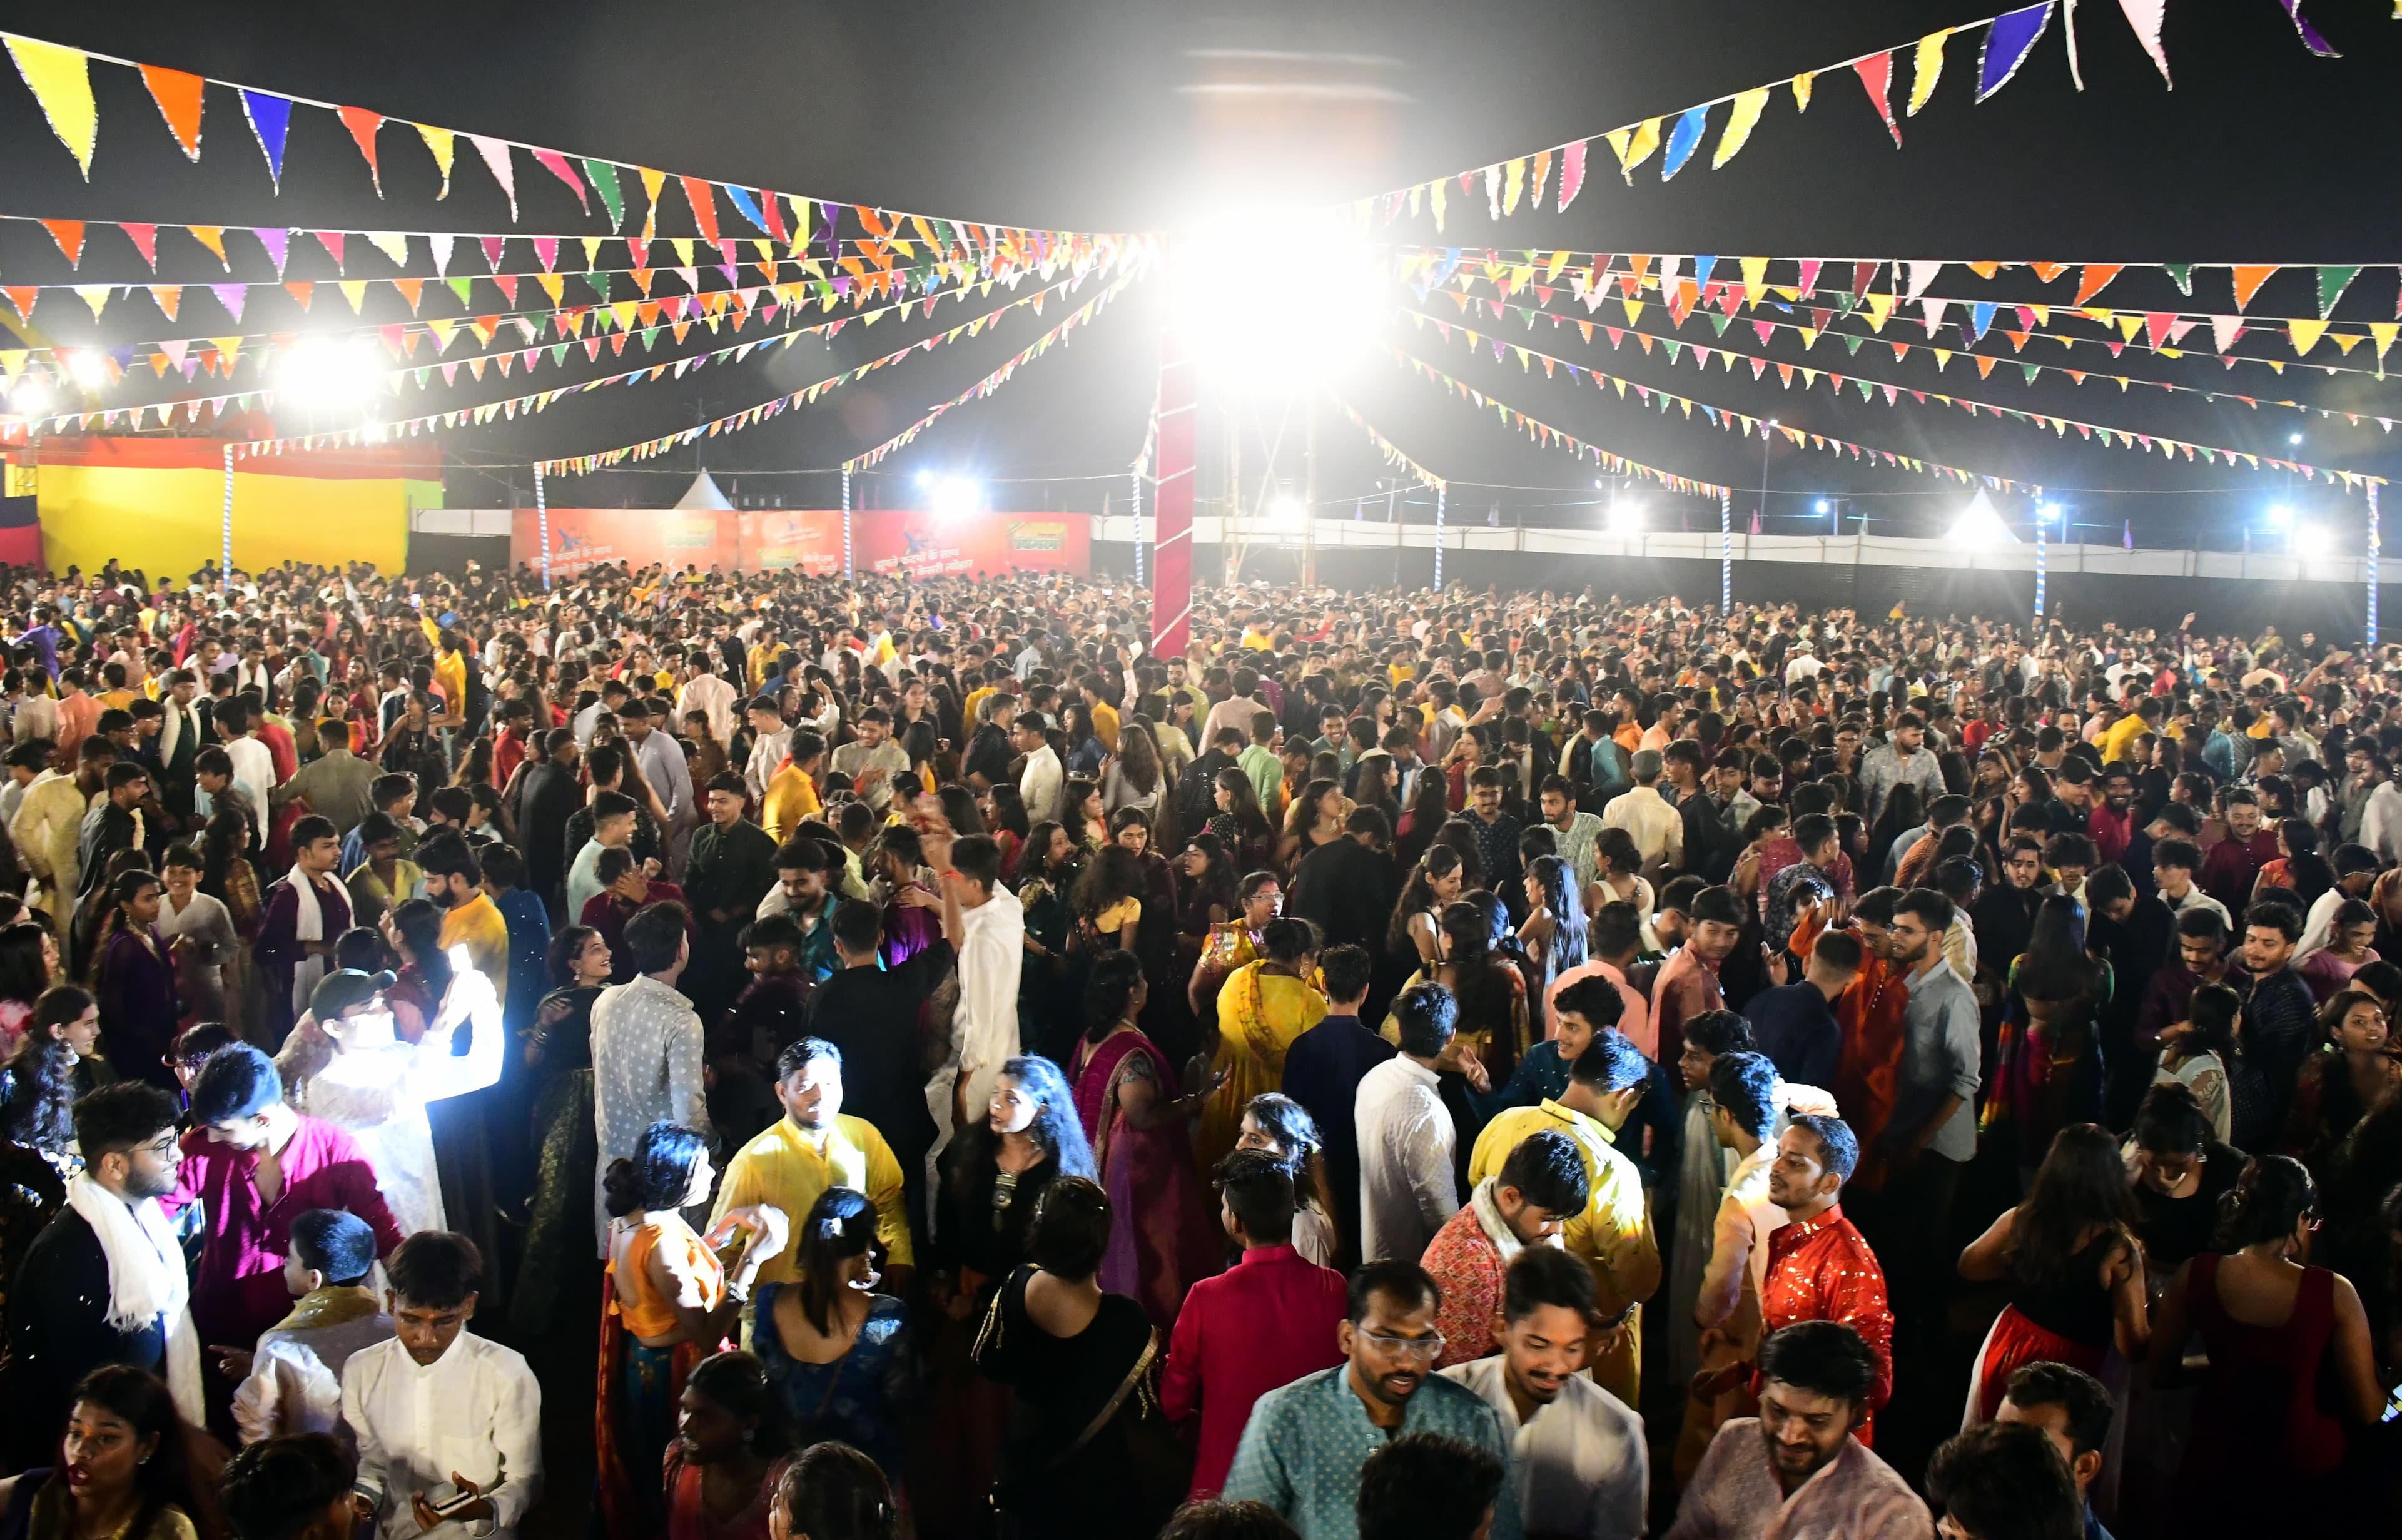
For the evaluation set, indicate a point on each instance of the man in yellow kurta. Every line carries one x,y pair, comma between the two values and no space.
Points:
792,790
470,918
815,1146
1614,1233
1263,1007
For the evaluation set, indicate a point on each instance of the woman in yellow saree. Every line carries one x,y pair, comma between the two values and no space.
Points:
1263,1008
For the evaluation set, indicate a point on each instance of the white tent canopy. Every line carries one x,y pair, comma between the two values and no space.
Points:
703,493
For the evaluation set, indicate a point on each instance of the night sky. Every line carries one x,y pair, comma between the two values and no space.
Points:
1079,116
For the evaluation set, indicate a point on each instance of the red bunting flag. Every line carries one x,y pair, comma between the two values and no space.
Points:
363,125
1876,75
703,199
146,240
178,96
68,233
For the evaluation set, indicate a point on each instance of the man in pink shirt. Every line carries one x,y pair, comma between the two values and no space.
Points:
1614,941
1688,983
1258,1327
255,1165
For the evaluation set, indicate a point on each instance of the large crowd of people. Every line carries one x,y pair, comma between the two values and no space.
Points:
1405,1065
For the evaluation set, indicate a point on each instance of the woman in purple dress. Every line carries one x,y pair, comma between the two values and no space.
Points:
134,980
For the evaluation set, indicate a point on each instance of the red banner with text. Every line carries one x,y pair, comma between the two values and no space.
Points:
887,540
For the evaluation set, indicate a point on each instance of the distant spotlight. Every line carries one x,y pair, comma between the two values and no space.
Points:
2294,438
957,497
2049,513
1596,485
1626,518
319,373
2314,540
2281,517
925,478
32,398
1288,512
87,369
1825,506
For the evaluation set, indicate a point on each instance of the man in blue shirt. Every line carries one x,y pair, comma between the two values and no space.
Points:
1305,1445
1795,1024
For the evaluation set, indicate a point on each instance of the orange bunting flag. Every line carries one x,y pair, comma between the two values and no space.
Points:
703,199
2097,278
2247,283
363,125
178,96
1876,76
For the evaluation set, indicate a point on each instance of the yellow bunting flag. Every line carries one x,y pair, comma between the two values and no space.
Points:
1633,146
1801,89
1748,108
1930,69
61,81
444,143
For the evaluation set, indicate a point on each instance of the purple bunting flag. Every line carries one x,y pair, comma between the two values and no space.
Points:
2007,42
270,121
2310,34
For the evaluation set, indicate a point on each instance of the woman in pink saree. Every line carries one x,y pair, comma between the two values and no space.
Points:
1166,1238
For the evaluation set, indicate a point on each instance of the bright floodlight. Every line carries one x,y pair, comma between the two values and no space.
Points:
32,398
1321,308
2281,517
1980,527
1823,505
2049,513
2314,541
957,497
2293,438
319,374
925,478
87,369
1625,519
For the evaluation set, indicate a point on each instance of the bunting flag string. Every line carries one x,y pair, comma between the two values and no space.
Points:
1753,280
1385,447
974,247
2008,39
993,381
195,410
509,359
2122,331
1984,363
1728,419
217,352
59,79
1545,435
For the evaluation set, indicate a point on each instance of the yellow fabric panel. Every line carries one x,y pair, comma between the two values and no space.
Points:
170,521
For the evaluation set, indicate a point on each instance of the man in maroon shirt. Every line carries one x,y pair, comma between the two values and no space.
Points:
255,1165
1258,1327
2228,871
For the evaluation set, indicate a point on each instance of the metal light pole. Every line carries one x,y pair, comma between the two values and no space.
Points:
1438,540
1726,544
846,525
2375,547
2042,516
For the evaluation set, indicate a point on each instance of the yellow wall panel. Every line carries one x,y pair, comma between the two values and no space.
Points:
168,522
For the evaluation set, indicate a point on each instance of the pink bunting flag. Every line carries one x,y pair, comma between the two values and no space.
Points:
496,158
559,166
1571,174
2145,17
332,241
1876,76
146,240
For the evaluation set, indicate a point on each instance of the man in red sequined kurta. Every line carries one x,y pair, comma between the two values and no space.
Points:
1869,1012
1820,1268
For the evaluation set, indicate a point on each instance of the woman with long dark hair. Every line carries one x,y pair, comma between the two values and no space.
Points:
126,1470
1553,935
1004,812
2198,1052
1414,940
2048,1069
1207,888
732,1443
1133,778
29,959
2074,1265
558,1058
995,1170
1492,993
668,1304
2292,1379
1127,1099
1239,822
1314,818
833,1492
134,982
2350,1073
840,1355
1430,807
